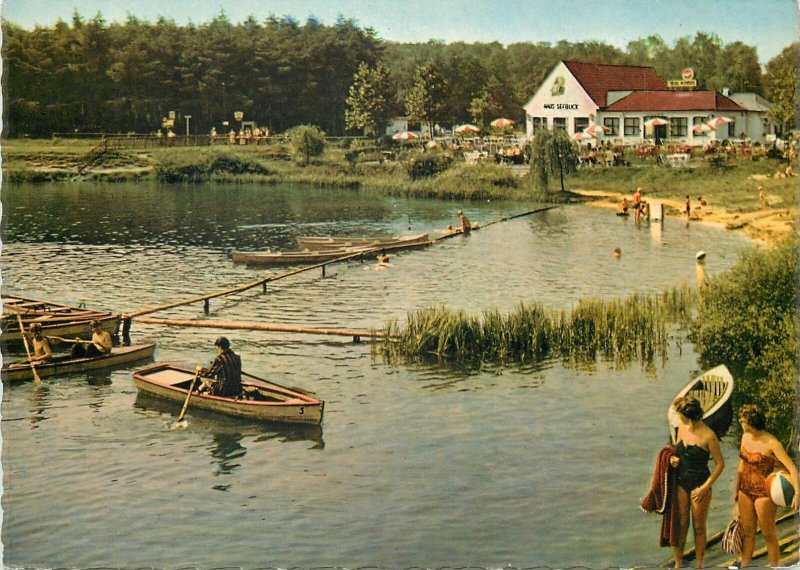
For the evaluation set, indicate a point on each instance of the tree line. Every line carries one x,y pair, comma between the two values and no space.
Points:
89,75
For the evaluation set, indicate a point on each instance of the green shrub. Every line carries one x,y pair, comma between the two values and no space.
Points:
428,164
746,320
307,141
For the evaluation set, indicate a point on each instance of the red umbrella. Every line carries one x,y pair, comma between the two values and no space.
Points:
466,129
656,122
502,123
404,136
702,128
719,121
595,129
582,136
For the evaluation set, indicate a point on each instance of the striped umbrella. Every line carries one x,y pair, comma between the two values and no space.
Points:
464,129
502,123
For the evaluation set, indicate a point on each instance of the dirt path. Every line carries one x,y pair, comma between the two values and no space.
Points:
767,226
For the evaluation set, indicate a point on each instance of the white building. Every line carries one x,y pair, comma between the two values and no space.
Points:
572,94
625,99
758,123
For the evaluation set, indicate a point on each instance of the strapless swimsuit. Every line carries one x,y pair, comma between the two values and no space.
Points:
693,469
753,478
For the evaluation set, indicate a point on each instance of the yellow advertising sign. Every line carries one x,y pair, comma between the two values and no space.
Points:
682,83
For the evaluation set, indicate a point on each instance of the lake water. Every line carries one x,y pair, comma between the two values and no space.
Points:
419,465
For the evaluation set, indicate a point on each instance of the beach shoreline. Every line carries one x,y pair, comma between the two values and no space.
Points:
766,226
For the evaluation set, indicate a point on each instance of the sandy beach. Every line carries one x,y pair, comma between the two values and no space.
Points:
767,226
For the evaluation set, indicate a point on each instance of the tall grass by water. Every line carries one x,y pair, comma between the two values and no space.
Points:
635,328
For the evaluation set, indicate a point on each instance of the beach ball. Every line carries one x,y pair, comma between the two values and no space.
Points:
780,488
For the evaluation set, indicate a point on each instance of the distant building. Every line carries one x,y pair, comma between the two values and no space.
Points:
758,123
625,99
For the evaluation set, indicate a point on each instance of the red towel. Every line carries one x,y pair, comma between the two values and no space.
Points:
661,498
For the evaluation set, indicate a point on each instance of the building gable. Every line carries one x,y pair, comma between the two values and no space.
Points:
560,94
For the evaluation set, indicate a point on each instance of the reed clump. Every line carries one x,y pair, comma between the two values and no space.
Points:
635,328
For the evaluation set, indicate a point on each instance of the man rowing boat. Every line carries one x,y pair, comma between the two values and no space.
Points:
41,347
100,344
225,369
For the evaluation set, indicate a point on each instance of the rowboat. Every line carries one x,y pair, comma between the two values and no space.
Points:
713,390
313,243
56,319
263,401
298,257
60,366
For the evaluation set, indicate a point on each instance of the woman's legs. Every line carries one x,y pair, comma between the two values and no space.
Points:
683,524
748,521
765,511
699,518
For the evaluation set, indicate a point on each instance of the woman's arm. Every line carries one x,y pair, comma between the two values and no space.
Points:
780,454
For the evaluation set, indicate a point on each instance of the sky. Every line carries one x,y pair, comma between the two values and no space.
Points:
768,25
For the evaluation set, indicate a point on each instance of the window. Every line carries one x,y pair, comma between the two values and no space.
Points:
581,123
559,124
732,129
699,121
632,127
612,124
539,123
678,126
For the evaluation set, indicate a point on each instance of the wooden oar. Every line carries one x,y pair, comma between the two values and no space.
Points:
27,349
72,340
189,395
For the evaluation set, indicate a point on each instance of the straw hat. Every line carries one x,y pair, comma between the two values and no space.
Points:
459,213
700,255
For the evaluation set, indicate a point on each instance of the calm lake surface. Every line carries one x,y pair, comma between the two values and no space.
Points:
419,465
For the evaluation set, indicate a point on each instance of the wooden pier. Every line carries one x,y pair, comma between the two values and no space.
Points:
138,315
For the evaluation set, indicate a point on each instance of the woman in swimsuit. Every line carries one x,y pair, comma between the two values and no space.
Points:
759,453
696,443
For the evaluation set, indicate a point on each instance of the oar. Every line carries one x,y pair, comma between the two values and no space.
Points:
189,394
27,348
62,339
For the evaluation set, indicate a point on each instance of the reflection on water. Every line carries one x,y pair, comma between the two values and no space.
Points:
421,465
229,428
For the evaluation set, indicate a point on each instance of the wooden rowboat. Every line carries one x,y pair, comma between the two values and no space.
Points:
297,257
713,390
322,256
56,319
313,243
271,402
59,366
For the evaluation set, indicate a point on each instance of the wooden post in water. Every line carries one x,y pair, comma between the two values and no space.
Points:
206,306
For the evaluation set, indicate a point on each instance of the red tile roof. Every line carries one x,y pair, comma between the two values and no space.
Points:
675,101
599,78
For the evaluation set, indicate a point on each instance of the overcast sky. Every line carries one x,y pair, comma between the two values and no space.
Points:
769,25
